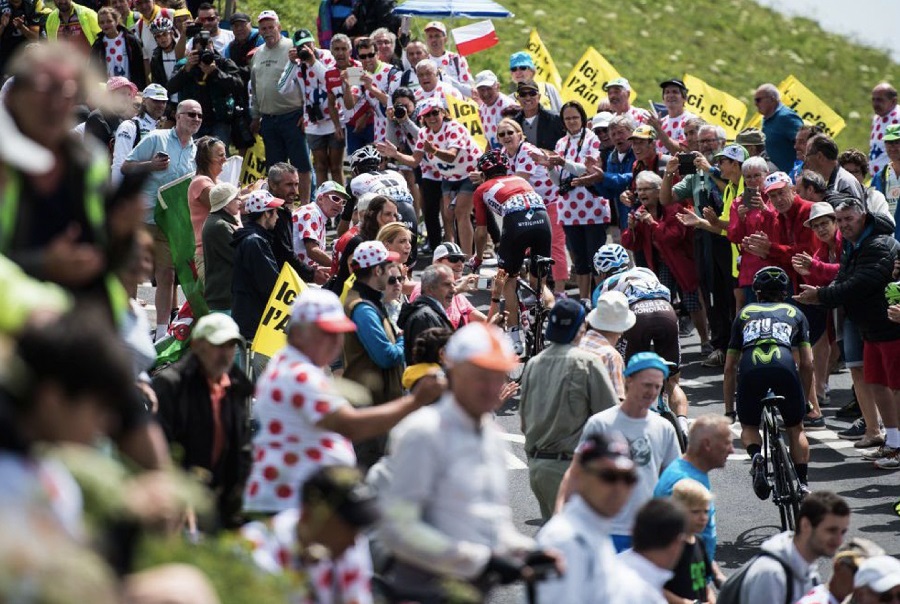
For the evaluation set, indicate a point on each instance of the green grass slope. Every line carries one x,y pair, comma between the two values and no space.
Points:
733,45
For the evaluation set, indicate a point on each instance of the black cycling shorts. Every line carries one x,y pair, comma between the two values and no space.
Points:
523,230
763,368
656,329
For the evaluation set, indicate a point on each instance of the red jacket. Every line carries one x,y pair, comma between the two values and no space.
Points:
765,220
823,271
791,237
673,240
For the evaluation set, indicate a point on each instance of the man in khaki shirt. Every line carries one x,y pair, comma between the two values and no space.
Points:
561,388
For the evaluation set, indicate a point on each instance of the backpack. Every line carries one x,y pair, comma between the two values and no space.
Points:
731,589
137,131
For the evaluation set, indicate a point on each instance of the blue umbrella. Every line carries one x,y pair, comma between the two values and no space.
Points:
470,9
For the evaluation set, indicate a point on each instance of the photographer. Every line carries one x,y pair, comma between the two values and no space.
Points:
402,130
306,72
208,20
211,80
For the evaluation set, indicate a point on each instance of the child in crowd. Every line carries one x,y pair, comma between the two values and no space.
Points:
690,582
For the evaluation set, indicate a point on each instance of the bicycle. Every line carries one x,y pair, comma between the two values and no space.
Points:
664,411
533,328
781,475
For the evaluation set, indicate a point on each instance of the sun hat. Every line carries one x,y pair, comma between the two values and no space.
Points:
612,313
734,152
221,195
819,209
483,345
217,329
521,59
750,136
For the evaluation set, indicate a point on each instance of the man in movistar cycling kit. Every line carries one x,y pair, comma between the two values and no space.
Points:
769,340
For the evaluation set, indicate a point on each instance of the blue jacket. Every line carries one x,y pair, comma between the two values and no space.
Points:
255,275
781,129
617,178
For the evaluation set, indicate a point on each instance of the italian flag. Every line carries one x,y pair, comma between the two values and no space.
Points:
475,38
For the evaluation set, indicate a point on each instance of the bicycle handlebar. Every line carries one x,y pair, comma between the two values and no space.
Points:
543,261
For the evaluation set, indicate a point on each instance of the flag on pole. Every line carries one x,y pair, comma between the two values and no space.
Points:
546,69
271,334
715,106
475,38
808,106
588,78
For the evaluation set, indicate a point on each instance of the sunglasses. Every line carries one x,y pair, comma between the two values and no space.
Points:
891,596
392,280
506,133
529,93
337,199
367,56
519,68
432,113
194,114
454,258
614,476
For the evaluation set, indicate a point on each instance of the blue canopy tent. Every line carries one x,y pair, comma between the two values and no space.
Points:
469,9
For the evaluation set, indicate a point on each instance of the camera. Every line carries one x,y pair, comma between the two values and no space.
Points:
686,163
399,111
201,39
304,53
207,57
314,112
192,30
565,185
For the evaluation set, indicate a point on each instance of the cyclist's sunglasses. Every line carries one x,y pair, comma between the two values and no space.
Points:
614,476
455,258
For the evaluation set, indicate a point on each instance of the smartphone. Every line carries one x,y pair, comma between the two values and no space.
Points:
749,194
405,22
686,164
485,282
354,76
162,155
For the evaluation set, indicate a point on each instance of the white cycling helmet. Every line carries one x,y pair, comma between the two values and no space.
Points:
363,157
610,257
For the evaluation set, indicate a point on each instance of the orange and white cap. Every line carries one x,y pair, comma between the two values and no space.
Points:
322,308
483,345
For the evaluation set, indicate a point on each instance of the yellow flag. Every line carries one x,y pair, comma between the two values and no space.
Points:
465,111
546,69
714,106
254,167
586,80
271,335
809,106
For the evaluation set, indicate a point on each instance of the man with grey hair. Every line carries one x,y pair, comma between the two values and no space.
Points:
430,308
887,113
385,43
866,268
780,126
822,156
284,183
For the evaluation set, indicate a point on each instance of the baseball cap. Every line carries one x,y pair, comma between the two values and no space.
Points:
239,18
892,133
521,59
819,209
523,86
565,318
436,25
267,14
646,360
155,92
776,180
644,132
750,136
485,78
673,82
118,83
302,36
612,313
428,105
260,201
878,573
373,253
448,249
611,446
341,489
734,152
483,345
322,308
617,82
221,195
217,329
601,120
329,186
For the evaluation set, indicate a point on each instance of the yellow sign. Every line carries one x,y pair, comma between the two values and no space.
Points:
810,108
715,106
271,335
465,111
546,69
586,80
254,167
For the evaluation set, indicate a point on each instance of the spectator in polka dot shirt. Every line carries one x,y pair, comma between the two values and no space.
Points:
305,423
618,91
670,128
374,84
117,51
887,113
452,64
491,103
310,222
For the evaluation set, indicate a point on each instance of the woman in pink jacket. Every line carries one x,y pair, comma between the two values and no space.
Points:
751,213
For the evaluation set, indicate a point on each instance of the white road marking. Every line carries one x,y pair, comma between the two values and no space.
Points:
513,462
513,438
827,437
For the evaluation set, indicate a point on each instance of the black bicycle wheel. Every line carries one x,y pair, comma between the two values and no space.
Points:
787,485
670,417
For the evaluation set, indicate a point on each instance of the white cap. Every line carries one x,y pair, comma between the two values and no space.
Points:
601,120
486,78
612,313
322,308
267,14
878,573
155,92
819,209
776,180
217,329
260,201
373,253
436,25
483,345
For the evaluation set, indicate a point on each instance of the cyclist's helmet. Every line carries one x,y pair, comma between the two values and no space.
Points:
161,25
364,159
892,293
611,258
493,163
771,279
